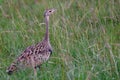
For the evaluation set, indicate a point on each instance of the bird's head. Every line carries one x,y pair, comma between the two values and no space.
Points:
48,12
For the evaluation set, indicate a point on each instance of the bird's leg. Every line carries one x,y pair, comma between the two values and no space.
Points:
35,72
33,65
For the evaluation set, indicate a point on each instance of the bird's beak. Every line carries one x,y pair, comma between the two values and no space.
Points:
54,10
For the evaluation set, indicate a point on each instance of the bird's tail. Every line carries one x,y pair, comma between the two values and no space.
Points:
12,68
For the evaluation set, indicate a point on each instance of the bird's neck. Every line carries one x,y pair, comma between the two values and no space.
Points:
47,30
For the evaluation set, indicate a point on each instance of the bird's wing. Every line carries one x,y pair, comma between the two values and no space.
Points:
26,54
42,48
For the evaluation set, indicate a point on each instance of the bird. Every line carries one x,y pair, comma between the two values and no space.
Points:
35,55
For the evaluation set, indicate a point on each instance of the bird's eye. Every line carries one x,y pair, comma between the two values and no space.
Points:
50,11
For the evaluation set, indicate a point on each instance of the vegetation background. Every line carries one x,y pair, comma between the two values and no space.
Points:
85,35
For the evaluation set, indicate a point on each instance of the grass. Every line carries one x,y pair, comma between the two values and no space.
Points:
85,35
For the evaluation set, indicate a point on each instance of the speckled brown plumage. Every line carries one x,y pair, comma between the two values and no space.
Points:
33,56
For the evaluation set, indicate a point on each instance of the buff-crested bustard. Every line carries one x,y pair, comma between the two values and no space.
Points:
35,55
